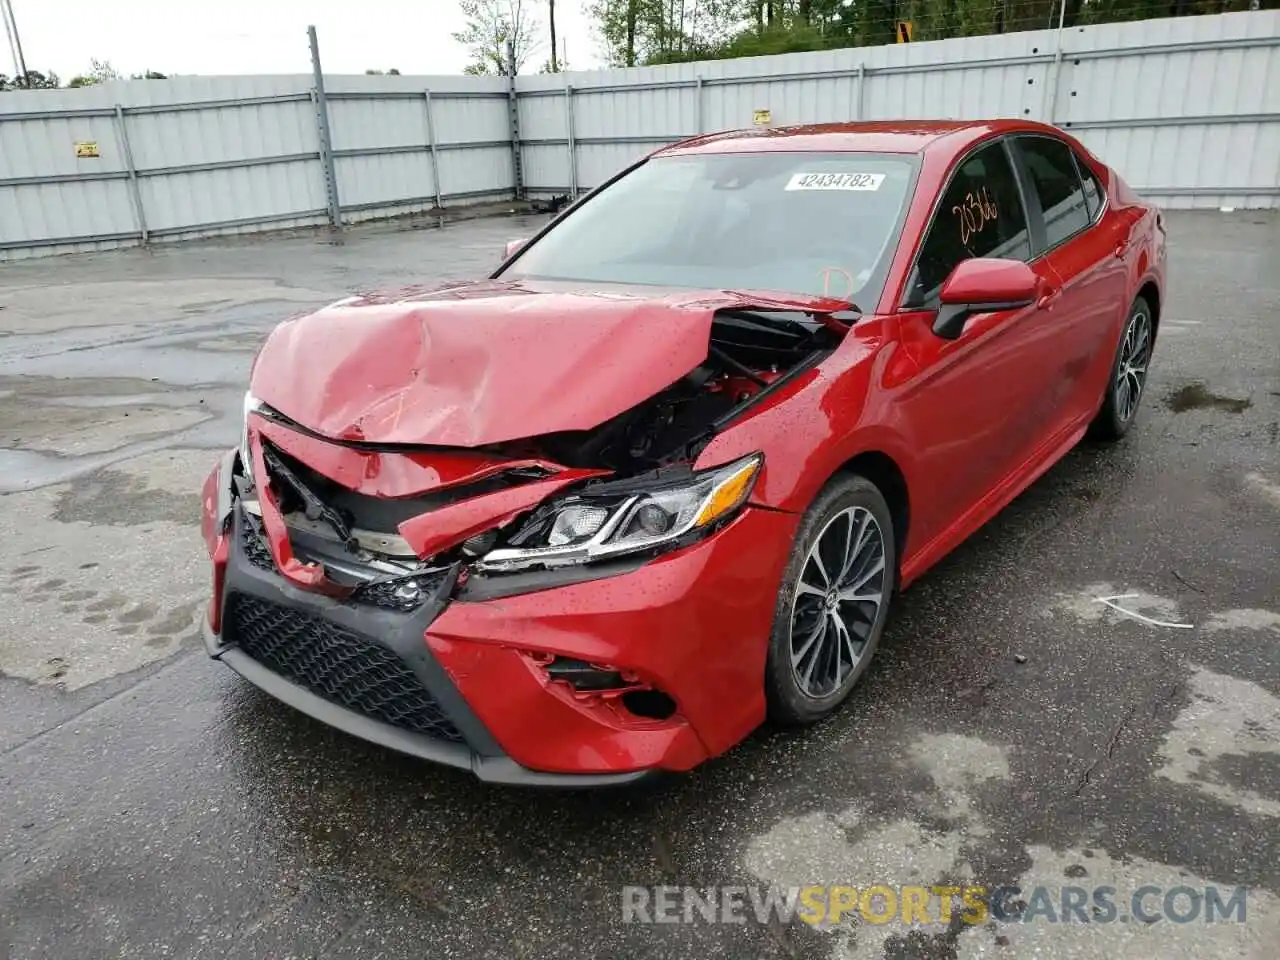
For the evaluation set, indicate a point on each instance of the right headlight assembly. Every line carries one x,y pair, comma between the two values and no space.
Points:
620,520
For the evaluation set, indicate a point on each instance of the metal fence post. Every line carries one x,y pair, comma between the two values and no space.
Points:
1052,108
857,94
135,191
697,111
1049,99
573,143
435,154
517,168
1053,75
322,129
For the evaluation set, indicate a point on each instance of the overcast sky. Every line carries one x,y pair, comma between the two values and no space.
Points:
262,36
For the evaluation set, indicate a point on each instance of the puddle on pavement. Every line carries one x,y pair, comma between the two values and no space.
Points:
1230,720
1195,396
30,469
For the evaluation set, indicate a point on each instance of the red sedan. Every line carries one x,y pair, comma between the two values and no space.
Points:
656,479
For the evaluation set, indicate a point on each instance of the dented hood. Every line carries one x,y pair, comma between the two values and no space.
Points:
486,362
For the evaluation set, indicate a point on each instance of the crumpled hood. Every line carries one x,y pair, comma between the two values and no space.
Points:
486,362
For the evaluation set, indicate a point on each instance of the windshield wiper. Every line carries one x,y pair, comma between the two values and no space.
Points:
768,320
837,321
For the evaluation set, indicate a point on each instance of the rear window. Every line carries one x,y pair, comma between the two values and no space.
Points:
1092,188
815,223
1057,184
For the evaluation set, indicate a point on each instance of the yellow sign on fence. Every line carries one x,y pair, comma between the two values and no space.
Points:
904,31
762,118
86,149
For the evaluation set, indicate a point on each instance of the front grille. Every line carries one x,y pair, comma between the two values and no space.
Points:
254,546
403,595
340,665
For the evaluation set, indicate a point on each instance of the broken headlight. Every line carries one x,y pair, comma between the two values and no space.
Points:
252,405
624,520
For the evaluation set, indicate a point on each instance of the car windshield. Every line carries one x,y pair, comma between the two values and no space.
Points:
810,223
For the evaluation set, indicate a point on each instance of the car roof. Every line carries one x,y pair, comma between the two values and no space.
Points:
875,136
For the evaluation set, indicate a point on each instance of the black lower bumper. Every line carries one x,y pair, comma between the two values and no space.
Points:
401,634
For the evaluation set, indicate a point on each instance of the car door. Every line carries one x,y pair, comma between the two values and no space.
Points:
973,409
1085,250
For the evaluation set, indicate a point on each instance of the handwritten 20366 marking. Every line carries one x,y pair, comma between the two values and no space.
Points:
974,212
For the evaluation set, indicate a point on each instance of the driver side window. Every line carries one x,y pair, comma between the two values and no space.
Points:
980,214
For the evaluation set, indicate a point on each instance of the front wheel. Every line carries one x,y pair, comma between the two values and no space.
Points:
1128,375
833,603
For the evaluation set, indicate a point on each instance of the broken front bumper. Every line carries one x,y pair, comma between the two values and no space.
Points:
462,680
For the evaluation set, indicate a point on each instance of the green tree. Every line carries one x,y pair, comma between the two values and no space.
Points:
32,80
665,31
492,25
661,31
100,71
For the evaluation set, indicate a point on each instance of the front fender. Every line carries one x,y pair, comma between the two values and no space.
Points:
808,435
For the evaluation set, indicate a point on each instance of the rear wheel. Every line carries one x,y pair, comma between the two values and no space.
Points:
1128,375
833,603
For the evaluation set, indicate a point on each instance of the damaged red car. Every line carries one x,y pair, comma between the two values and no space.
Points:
657,478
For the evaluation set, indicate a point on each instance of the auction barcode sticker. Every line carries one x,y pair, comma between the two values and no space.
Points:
836,181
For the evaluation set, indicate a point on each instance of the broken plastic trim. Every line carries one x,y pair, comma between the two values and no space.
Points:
587,677
313,507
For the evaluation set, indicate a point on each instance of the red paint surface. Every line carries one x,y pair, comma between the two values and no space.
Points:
215,540
209,507
218,561
456,371
966,423
694,624
392,475
982,280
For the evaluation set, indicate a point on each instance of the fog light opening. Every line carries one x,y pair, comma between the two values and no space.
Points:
586,677
650,704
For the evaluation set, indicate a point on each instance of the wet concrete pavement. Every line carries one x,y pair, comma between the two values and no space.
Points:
1012,730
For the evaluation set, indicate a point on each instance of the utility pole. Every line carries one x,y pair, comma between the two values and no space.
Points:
15,42
551,4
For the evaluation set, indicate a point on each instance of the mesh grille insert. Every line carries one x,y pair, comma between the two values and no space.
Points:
254,546
343,667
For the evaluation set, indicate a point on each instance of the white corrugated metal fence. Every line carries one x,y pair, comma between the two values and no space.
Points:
1187,109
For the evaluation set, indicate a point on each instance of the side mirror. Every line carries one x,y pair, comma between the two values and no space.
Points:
513,247
983,285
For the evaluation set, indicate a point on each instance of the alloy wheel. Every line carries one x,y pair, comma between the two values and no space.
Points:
838,596
1131,375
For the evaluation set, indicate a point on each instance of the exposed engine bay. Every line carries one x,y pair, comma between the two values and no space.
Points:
750,351
636,488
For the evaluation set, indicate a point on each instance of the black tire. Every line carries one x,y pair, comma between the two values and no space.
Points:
846,496
1117,413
